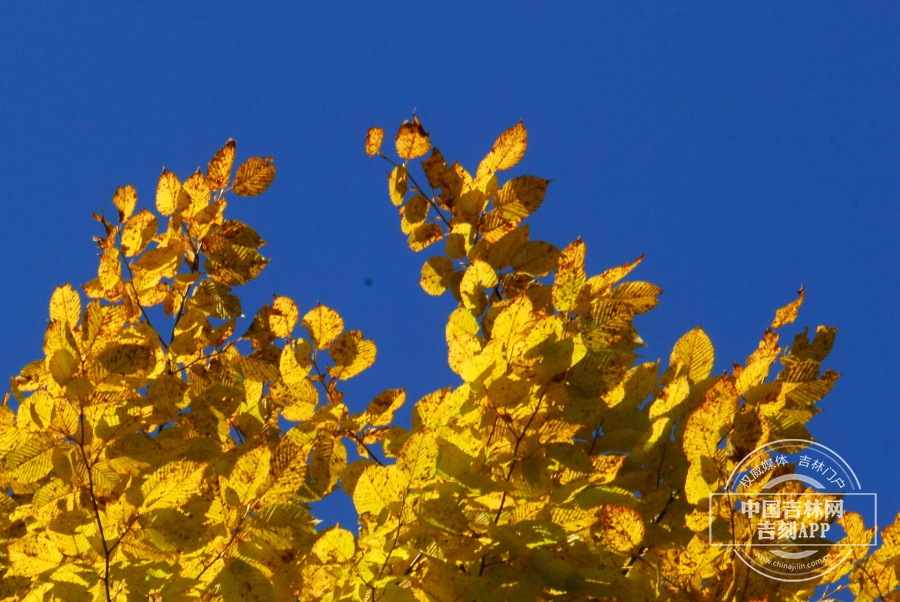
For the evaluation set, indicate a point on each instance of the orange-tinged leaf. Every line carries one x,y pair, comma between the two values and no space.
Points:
570,276
788,313
283,316
138,232
373,141
623,528
397,184
125,200
218,172
425,235
536,258
710,421
507,151
253,176
436,275
169,196
65,305
324,325
412,140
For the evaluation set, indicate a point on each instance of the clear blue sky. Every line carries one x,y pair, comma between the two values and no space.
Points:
746,150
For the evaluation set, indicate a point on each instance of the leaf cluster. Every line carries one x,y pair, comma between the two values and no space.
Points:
142,463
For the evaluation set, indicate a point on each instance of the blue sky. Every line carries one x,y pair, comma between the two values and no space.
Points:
745,150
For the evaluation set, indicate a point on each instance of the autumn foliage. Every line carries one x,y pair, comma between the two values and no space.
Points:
154,454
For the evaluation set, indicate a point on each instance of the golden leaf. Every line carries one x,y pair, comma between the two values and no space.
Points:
253,176
381,409
138,232
436,275
373,141
413,213
412,140
417,457
623,528
536,258
169,195
694,352
125,200
283,316
62,366
324,325
197,190
425,235
570,277
507,151
218,172
520,197
65,305
397,184
335,545
351,354
788,313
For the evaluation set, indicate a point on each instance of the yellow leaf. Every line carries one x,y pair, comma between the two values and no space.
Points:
597,284
709,422
788,313
351,354
253,176
417,457
397,184
62,366
169,195
694,352
65,305
373,141
413,213
478,277
570,277
412,140
197,190
110,269
379,487
138,232
381,409
324,325
436,275
520,197
126,358
294,369
507,151
623,528
304,399
170,485
335,545
125,200
219,170
500,254
251,472
283,316
424,235
536,258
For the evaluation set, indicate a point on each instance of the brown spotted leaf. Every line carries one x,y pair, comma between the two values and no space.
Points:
507,151
253,176
218,172
412,140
